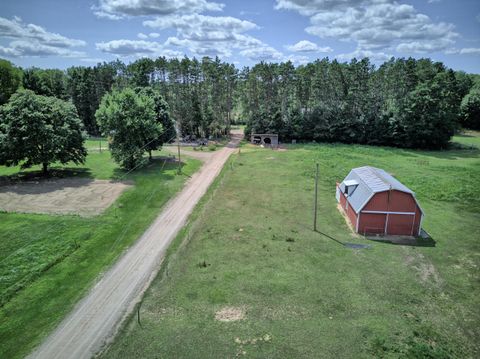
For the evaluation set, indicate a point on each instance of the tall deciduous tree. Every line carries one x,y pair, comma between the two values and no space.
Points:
40,130
10,80
86,87
470,109
162,117
46,82
130,122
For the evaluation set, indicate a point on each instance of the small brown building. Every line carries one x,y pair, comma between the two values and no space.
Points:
266,139
377,203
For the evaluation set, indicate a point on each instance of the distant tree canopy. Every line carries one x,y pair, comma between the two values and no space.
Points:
10,80
325,100
40,130
404,103
131,123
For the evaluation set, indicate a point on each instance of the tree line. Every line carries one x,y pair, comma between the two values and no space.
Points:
404,102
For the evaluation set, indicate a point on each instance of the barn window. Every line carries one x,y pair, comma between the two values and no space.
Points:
350,187
267,140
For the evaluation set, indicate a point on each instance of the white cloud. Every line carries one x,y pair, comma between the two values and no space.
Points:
200,35
34,40
202,27
374,24
307,46
470,50
95,60
117,9
297,59
152,35
360,54
8,52
127,48
105,15
263,53
209,35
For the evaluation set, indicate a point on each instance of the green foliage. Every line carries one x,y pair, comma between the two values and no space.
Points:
49,82
48,262
38,129
354,102
130,121
425,123
470,109
323,101
162,117
86,87
10,80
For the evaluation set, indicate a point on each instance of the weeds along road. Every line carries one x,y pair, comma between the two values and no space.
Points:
95,319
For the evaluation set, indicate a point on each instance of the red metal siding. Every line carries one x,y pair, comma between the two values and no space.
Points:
400,224
392,201
352,216
343,200
372,223
376,223
418,219
399,202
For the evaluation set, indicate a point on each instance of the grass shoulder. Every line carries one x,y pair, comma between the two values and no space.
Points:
251,247
49,262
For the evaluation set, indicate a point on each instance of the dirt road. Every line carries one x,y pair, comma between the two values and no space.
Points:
95,318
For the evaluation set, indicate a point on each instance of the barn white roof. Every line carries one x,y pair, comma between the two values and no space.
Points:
370,180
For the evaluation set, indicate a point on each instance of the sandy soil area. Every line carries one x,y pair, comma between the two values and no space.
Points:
82,196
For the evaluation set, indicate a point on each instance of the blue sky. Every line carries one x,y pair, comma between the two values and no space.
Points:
62,33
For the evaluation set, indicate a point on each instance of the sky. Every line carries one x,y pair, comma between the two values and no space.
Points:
63,33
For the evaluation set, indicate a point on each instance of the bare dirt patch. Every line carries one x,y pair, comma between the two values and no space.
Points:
230,314
426,271
81,196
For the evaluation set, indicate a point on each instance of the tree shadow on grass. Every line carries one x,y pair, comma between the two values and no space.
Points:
454,154
53,173
158,165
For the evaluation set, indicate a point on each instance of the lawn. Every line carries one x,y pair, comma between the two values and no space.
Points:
48,262
250,246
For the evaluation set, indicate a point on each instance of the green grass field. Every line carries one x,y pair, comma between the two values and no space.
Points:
48,262
250,245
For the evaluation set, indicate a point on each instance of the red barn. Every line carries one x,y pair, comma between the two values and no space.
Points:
377,203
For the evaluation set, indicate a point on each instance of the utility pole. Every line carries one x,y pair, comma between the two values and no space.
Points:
178,147
315,205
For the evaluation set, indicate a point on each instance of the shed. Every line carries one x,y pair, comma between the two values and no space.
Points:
266,139
377,203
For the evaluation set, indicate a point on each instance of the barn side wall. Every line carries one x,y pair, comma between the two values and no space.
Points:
352,216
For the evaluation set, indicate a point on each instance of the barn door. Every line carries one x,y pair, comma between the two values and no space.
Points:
400,224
